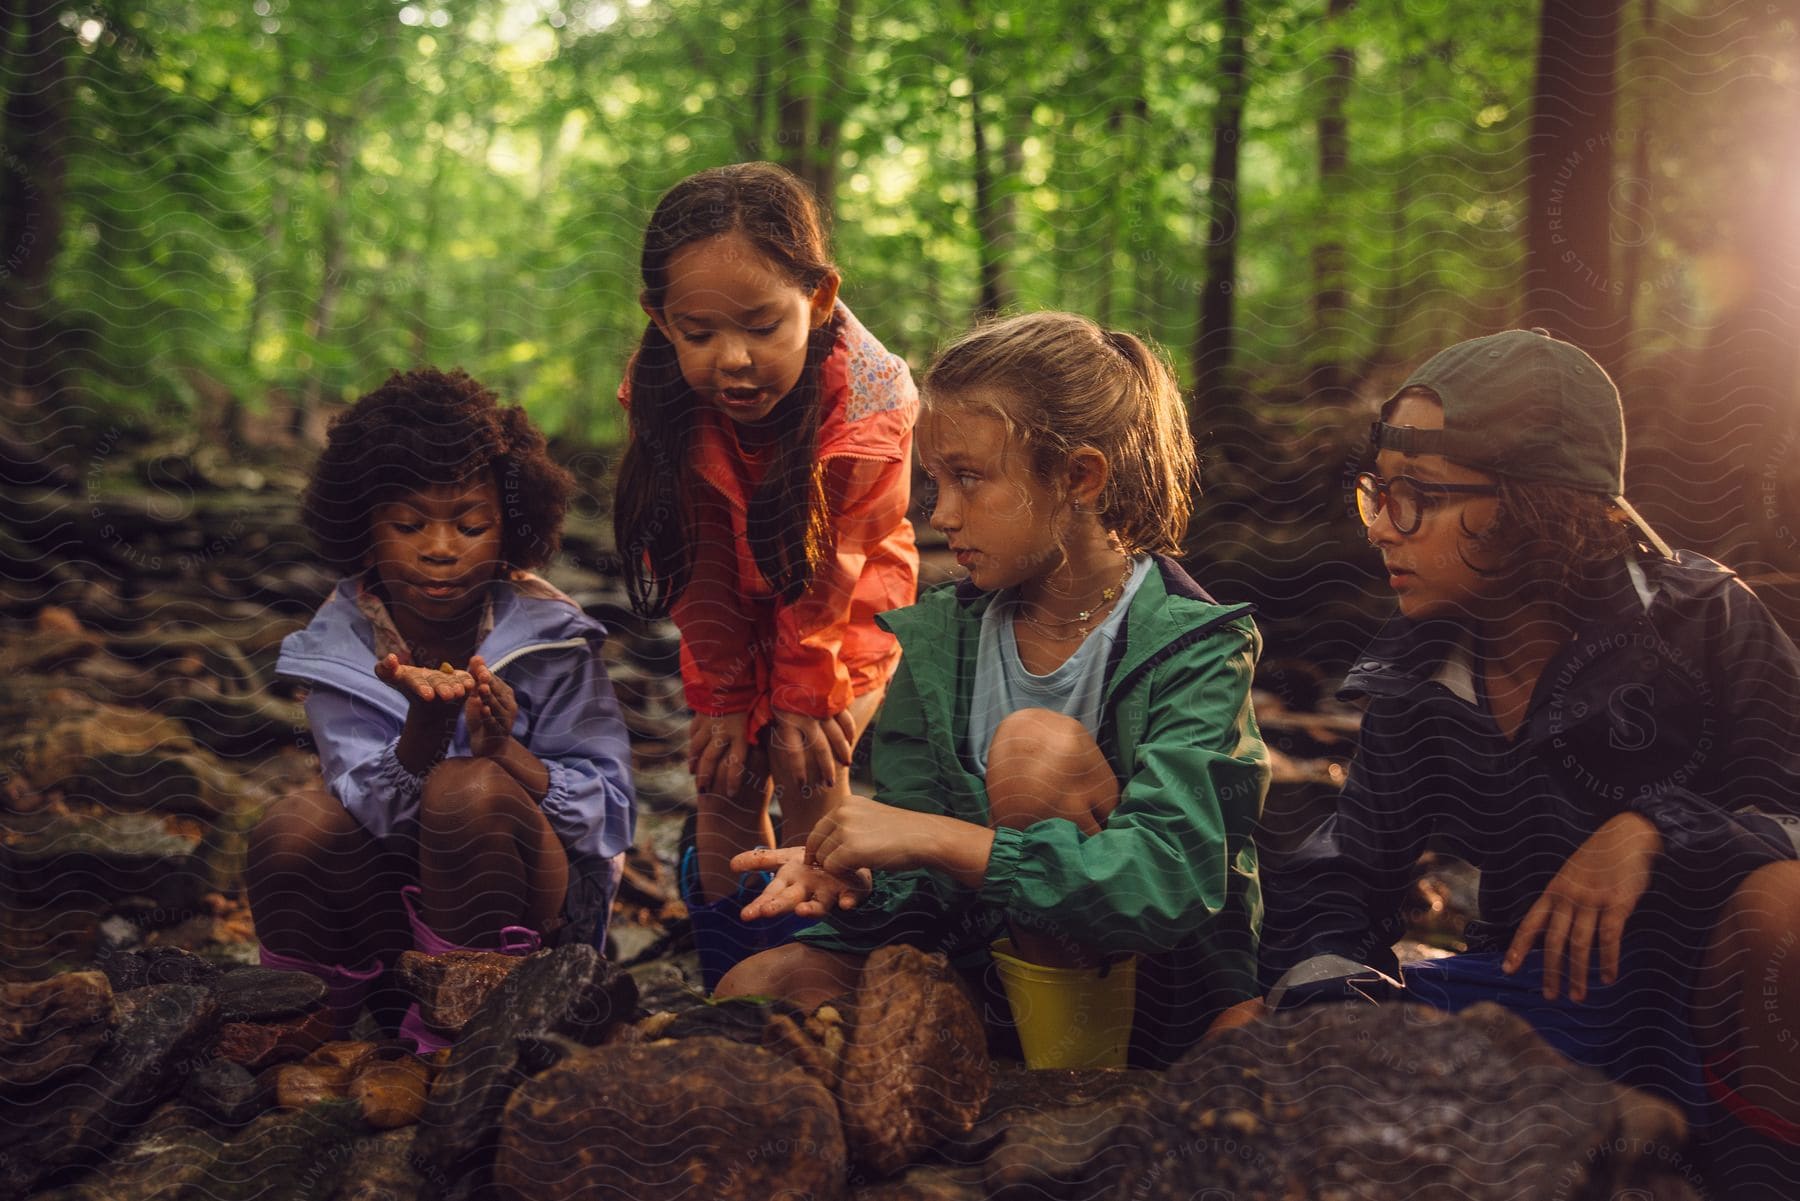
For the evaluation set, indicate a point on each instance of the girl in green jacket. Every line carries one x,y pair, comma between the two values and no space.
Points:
1067,756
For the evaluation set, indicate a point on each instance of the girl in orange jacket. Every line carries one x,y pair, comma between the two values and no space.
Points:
762,501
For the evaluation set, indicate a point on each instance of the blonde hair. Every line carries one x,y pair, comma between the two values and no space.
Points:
1058,383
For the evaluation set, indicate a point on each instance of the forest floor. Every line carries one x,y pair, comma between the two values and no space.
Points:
143,733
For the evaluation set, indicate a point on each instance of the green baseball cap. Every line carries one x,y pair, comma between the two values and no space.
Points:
1527,406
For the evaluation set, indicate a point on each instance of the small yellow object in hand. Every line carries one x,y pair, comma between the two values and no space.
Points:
447,668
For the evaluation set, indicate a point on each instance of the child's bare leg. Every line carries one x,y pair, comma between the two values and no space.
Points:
1045,765
1752,978
806,976
315,882
487,856
802,806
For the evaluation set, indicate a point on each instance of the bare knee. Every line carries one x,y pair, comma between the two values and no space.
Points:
463,795
299,830
795,972
1764,909
1044,765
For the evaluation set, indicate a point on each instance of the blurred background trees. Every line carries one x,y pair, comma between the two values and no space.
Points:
231,215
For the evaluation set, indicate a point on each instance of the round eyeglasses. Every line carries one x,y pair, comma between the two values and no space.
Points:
1405,500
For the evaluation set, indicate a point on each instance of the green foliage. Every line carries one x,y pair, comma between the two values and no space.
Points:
285,200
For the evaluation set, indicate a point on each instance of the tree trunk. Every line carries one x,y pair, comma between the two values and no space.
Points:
32,175
759,135
838,56
282,173
991,228
1330,350
1215,393
1569,286
333,248
1392,303
795,115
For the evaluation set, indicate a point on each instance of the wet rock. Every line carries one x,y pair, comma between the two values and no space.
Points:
48,652
628,942
157,965
86,861
569,992
82,1114
212,656
664,987
1040,1132
915,1068
159,781
51,1026
451,987
382,1168
257,1045
36,935
260,994
812,1041
697,1118
1375,1101
1059,1151
168,1157
931,1182
298,1085
236,724
349,1056
299,1155
391,1092
228,1092
48,754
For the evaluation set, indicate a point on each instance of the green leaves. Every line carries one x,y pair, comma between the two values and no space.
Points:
277,197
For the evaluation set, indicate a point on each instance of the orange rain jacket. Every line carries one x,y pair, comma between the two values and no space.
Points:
744,649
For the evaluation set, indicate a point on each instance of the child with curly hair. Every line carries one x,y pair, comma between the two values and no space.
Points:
471,746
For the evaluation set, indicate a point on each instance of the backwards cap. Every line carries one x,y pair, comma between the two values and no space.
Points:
1524,405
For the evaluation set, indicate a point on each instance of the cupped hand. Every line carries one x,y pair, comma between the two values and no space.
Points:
1585,907
800,887
490,710
718,751
432,687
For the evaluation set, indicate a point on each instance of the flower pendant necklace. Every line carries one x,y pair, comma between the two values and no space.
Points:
1083,623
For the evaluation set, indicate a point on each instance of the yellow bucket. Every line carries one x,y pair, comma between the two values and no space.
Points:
1069,1017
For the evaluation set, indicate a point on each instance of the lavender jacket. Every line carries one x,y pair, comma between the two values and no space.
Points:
548,651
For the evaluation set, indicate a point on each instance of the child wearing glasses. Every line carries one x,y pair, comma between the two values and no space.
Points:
1605,728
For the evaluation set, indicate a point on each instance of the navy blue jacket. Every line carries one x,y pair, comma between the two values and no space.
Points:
1678,698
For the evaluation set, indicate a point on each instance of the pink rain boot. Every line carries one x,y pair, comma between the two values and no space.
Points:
514,940
345,988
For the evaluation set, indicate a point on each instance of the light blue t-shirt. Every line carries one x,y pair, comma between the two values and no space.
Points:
1003,686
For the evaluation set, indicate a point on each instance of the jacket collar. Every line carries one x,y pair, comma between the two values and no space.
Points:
335,648
1168,610
1407,654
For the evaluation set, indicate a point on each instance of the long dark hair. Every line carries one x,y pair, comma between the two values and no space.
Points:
789,525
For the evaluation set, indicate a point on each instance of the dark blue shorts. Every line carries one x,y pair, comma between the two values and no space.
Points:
1638,1030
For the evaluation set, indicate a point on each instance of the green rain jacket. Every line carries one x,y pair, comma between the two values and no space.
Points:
1172,876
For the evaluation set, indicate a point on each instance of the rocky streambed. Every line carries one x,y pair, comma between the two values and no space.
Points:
141,1053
